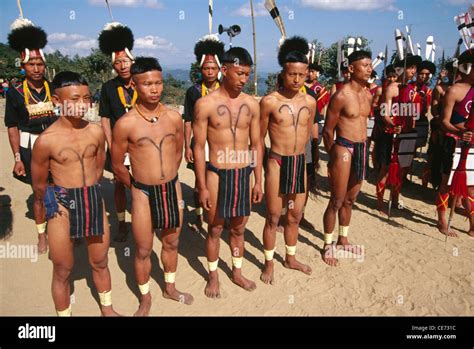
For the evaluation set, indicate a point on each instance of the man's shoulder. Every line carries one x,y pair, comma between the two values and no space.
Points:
173,114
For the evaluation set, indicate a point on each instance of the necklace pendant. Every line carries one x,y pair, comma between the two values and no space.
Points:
154,119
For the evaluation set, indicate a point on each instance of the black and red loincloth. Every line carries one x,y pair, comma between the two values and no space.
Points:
234,191
84,205
292,170
163,200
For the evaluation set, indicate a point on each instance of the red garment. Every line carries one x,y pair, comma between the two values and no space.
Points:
322,95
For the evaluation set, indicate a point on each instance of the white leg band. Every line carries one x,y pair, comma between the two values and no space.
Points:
145,288
237,262
105,298
170,277
290,250
328,238
269,254
65,312
121,216
41,228
343,230
213,265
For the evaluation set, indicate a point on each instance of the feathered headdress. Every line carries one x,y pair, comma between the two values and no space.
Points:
293,44
116,38
27,39
209,49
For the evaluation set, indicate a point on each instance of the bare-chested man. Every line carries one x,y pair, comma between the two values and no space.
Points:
229,120
74,151
457,104
347,115
153,136
288,116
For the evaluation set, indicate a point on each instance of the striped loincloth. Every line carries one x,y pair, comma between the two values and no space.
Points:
234,191
163,199
85,209
292,169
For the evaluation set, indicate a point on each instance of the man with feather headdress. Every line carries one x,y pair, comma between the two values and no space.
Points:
288,115
208,51
29,108
117,97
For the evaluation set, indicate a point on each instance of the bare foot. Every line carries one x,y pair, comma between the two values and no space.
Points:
171,292
108,311
239,280
328,254
145,305
305,224
122,232
292,263
443,229
343,243
267,273
212,287
42,243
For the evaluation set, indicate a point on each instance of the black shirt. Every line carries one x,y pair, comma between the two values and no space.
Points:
317,117
16,114
110,105
192,95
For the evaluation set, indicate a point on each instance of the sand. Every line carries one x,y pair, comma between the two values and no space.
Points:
407,267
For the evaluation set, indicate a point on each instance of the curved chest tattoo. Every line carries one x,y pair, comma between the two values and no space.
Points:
224,110
79,157
158,147
295,117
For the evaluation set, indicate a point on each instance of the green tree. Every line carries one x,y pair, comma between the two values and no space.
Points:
174,91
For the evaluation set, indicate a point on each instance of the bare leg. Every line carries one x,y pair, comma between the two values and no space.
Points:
237,229
215,227
169,257
120,206
97,248
143,234
441,210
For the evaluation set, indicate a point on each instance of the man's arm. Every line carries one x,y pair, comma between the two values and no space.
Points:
179,140
435,102
11,122
332,117
105,122
119,148
105,113
100,161
386,107
265,112
449,101
188,117
39,176
201,116
257,149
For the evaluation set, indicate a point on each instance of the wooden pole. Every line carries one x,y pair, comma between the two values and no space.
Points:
255,78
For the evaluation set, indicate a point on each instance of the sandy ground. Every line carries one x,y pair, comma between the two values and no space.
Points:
407,267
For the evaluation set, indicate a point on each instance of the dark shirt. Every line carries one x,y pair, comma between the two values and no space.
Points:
192,95
110,105
16,114
317,117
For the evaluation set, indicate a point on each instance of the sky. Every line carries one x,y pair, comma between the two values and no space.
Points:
168,29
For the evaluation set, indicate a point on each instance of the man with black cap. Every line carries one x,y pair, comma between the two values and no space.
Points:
399,111
314,70
288,116
456,110
208,52
117,97
29,108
